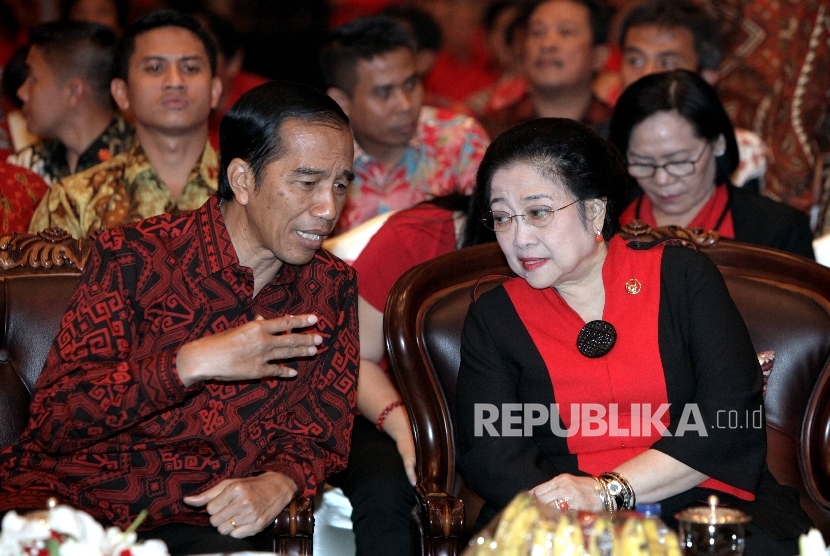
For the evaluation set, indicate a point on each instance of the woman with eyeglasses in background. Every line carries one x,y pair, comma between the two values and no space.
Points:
680,148
594,378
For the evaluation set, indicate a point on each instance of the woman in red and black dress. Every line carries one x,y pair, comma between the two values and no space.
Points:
612,335
681,149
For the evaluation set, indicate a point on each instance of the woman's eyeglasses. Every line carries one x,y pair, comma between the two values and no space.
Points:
679,169
536,216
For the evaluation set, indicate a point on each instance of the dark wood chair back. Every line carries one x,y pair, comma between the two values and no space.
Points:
784,299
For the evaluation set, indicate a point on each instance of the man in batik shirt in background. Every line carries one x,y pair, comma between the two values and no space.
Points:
404,152
67,102
165,75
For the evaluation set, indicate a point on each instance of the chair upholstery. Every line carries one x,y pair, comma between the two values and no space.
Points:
38,274
784,299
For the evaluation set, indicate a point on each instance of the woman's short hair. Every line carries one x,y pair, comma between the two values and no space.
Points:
565,151
689,95
251,129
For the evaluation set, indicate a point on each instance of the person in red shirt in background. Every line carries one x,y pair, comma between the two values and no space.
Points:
464,65
20,192
229,59
565,47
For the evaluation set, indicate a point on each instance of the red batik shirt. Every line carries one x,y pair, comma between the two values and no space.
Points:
114,431
441,158
20,192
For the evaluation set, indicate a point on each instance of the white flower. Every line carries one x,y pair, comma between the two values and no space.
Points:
83,536
812,544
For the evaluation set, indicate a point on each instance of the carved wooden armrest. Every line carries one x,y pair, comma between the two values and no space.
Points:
442,515
638,230
53,248
294,528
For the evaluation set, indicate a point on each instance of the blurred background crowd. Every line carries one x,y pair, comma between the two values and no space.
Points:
774,77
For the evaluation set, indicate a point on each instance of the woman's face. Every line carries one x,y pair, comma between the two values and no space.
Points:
667,137
561,253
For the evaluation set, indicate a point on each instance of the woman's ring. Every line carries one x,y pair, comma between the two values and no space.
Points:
561,503
233,523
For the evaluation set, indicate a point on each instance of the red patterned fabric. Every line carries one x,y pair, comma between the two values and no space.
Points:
20,192
114,431
442,158
774,81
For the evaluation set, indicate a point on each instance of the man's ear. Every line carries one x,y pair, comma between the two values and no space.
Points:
711,76
600,55
215,92
241,179
75,90
341,98
118,89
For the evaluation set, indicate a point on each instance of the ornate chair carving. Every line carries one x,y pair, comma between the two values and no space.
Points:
38,274
784,299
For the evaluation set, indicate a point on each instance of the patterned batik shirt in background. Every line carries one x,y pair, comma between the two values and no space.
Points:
123,189
113,430
47,157
441,158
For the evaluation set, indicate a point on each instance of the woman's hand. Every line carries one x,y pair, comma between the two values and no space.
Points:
397,426
577,491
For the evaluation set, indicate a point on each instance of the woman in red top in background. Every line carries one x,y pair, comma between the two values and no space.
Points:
680,147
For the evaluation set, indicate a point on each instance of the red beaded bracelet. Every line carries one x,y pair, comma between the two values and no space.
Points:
385,412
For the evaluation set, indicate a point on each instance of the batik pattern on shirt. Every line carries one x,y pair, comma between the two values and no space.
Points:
47,157
442,158
113,429
123,189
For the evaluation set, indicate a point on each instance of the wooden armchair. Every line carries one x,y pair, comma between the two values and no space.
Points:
784,299
38,274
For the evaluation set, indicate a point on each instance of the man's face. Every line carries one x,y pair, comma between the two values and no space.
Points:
45,96
559,50
386,101
169,86
651,49
300,195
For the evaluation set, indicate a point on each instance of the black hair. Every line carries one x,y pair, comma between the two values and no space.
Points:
227,39
14,74
157,20
701,23
600,21
79,49
251,129
565,151
425,29
362,39
122,11
690,96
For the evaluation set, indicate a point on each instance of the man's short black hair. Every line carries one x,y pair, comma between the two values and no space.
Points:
362,39
425,29
157,20
703,25
251,129
79,49
600,21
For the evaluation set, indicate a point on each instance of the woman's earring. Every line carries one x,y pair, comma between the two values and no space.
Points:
598,239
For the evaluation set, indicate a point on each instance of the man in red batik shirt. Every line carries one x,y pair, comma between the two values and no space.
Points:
205,370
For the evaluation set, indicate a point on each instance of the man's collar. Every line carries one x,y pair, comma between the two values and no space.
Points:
211,217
